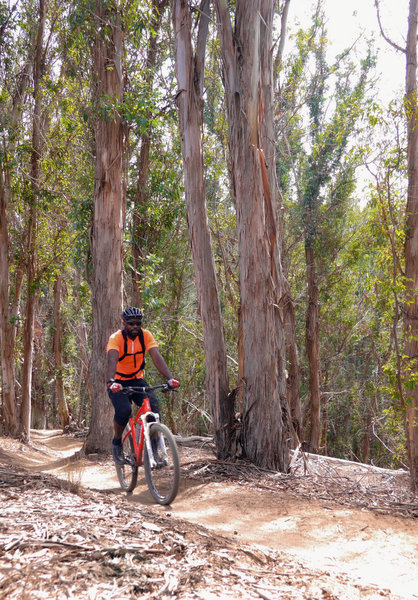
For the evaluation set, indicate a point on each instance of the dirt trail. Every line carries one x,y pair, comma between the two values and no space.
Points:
373,549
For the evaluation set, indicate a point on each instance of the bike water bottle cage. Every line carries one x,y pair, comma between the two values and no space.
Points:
134,354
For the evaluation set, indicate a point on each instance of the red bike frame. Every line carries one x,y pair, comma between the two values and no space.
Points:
133,422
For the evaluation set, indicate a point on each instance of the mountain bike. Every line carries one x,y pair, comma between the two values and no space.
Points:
152,444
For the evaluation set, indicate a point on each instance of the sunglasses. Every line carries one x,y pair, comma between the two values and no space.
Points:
134,323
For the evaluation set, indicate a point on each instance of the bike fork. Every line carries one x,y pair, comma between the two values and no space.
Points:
148,444
164,454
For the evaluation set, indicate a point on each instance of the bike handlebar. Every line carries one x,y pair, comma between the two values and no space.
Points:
164,387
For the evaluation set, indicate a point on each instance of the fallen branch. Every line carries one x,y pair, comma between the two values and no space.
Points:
193,438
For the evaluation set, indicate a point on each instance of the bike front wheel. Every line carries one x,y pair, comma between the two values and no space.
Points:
128,473
163,480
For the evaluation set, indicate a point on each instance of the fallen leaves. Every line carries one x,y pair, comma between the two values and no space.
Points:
321,478
62,542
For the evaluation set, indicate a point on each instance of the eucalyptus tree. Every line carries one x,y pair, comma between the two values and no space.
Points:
293,378
190,76
33,199
14,69
108,209
248,78
411,241
411,245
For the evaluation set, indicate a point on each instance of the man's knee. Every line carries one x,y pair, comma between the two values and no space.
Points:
122,412
155,407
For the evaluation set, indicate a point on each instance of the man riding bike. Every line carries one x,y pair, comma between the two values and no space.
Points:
126,351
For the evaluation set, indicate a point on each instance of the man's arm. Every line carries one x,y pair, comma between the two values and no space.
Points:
112,361
160,363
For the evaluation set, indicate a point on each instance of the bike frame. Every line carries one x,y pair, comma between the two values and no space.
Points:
141,419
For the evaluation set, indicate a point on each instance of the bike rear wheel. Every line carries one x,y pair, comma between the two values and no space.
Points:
128,473
163,481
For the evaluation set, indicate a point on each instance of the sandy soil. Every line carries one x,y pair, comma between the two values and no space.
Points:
373,549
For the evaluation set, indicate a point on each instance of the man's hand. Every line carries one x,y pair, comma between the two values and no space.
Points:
173,383
114,386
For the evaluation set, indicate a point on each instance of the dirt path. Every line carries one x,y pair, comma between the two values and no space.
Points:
373,549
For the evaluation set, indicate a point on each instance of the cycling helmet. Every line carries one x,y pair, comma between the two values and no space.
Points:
132,312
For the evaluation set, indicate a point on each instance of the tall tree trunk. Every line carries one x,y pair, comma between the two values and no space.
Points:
85,374
189,75
84,392
265,419
293,363
39,416
138,218
9,298
293,369
108,215
268,144
58,360
312,351
6,327
411,245
31,294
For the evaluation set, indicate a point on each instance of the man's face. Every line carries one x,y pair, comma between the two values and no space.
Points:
132,327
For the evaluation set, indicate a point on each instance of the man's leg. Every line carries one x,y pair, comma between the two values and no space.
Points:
138,397
122,408
118,430
117,447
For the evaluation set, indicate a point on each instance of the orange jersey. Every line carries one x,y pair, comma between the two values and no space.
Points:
131,355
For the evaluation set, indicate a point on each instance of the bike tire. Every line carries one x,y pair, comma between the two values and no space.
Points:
128,473
163,482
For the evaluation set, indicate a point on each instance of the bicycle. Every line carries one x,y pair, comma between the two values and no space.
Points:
152,444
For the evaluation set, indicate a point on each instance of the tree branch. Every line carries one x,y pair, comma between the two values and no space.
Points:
384,36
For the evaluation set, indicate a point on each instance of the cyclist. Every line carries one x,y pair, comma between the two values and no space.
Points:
126,351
